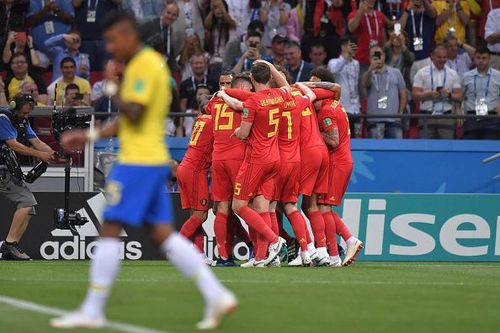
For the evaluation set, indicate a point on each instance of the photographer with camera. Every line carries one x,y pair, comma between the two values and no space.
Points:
72,96
252,52
16,135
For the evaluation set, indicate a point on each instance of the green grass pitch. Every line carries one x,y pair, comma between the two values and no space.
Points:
367,297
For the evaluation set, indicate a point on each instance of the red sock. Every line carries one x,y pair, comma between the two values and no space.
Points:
221,234
256,221
253,237
274,223
199,239
342,229
331,234
284,234
299,228
190,226
318,228
261,240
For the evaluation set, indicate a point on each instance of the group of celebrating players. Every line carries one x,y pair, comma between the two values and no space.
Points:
267,142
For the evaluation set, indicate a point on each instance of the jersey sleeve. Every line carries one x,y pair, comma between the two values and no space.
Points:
7,131
29,130
323,93
139,84
250,107
239,94
327,120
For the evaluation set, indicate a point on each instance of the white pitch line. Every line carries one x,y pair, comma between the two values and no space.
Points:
51,311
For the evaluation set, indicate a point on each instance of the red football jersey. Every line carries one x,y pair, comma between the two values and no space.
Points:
289,128
225,121
332,115
310,135
263,109
201,143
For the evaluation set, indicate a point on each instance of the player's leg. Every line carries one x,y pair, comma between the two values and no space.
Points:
221,229
274,219
191,227
299,228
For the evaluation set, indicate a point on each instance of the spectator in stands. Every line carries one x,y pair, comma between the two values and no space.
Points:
393,9
31,88
368,25
243,12
492,37
88,17
460,62
346,72
436,87
192,46
317,54
387,95
419,22
225,79
13,18
277,56
72,41
20,73
251,53
3,99
99,101
189,22
486,7
294,26
481,88
157,33
398,56
323,23
452,18
238,46
218,25
58,87
72,96
299,69
188,87
144,9
274,14
49,18
188,122
20,42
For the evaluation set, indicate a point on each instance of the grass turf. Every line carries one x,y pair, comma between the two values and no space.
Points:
367,297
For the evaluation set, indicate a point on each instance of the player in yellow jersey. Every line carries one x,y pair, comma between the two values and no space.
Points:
136,189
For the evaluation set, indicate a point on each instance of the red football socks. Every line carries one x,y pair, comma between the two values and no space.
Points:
331,234
257,222
199,239
342,229
221,233
190,226
318,228
299,228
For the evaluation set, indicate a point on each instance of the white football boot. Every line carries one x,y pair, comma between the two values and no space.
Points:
215,312
78,319
353,248
275,249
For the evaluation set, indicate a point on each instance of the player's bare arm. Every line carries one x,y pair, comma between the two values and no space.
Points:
335,87
233,103
331,137
277,75
243,131
306,91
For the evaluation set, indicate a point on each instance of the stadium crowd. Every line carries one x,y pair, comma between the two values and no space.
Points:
391,57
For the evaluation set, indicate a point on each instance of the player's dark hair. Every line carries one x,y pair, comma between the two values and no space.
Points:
67,59
254,25
283,71
323,74
239,78
119,16
261,72
71,86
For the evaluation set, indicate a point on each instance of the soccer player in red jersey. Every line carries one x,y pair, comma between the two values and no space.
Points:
255,179
192,174
227,156
334,125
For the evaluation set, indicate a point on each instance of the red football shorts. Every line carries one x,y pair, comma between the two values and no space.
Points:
314,170
338,180
223,178
288,182
193,187
256,179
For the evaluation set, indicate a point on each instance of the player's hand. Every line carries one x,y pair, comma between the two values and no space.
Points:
264,62
236,133
74,140
174,165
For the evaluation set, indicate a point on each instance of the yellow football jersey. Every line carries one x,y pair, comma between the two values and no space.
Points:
145,82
